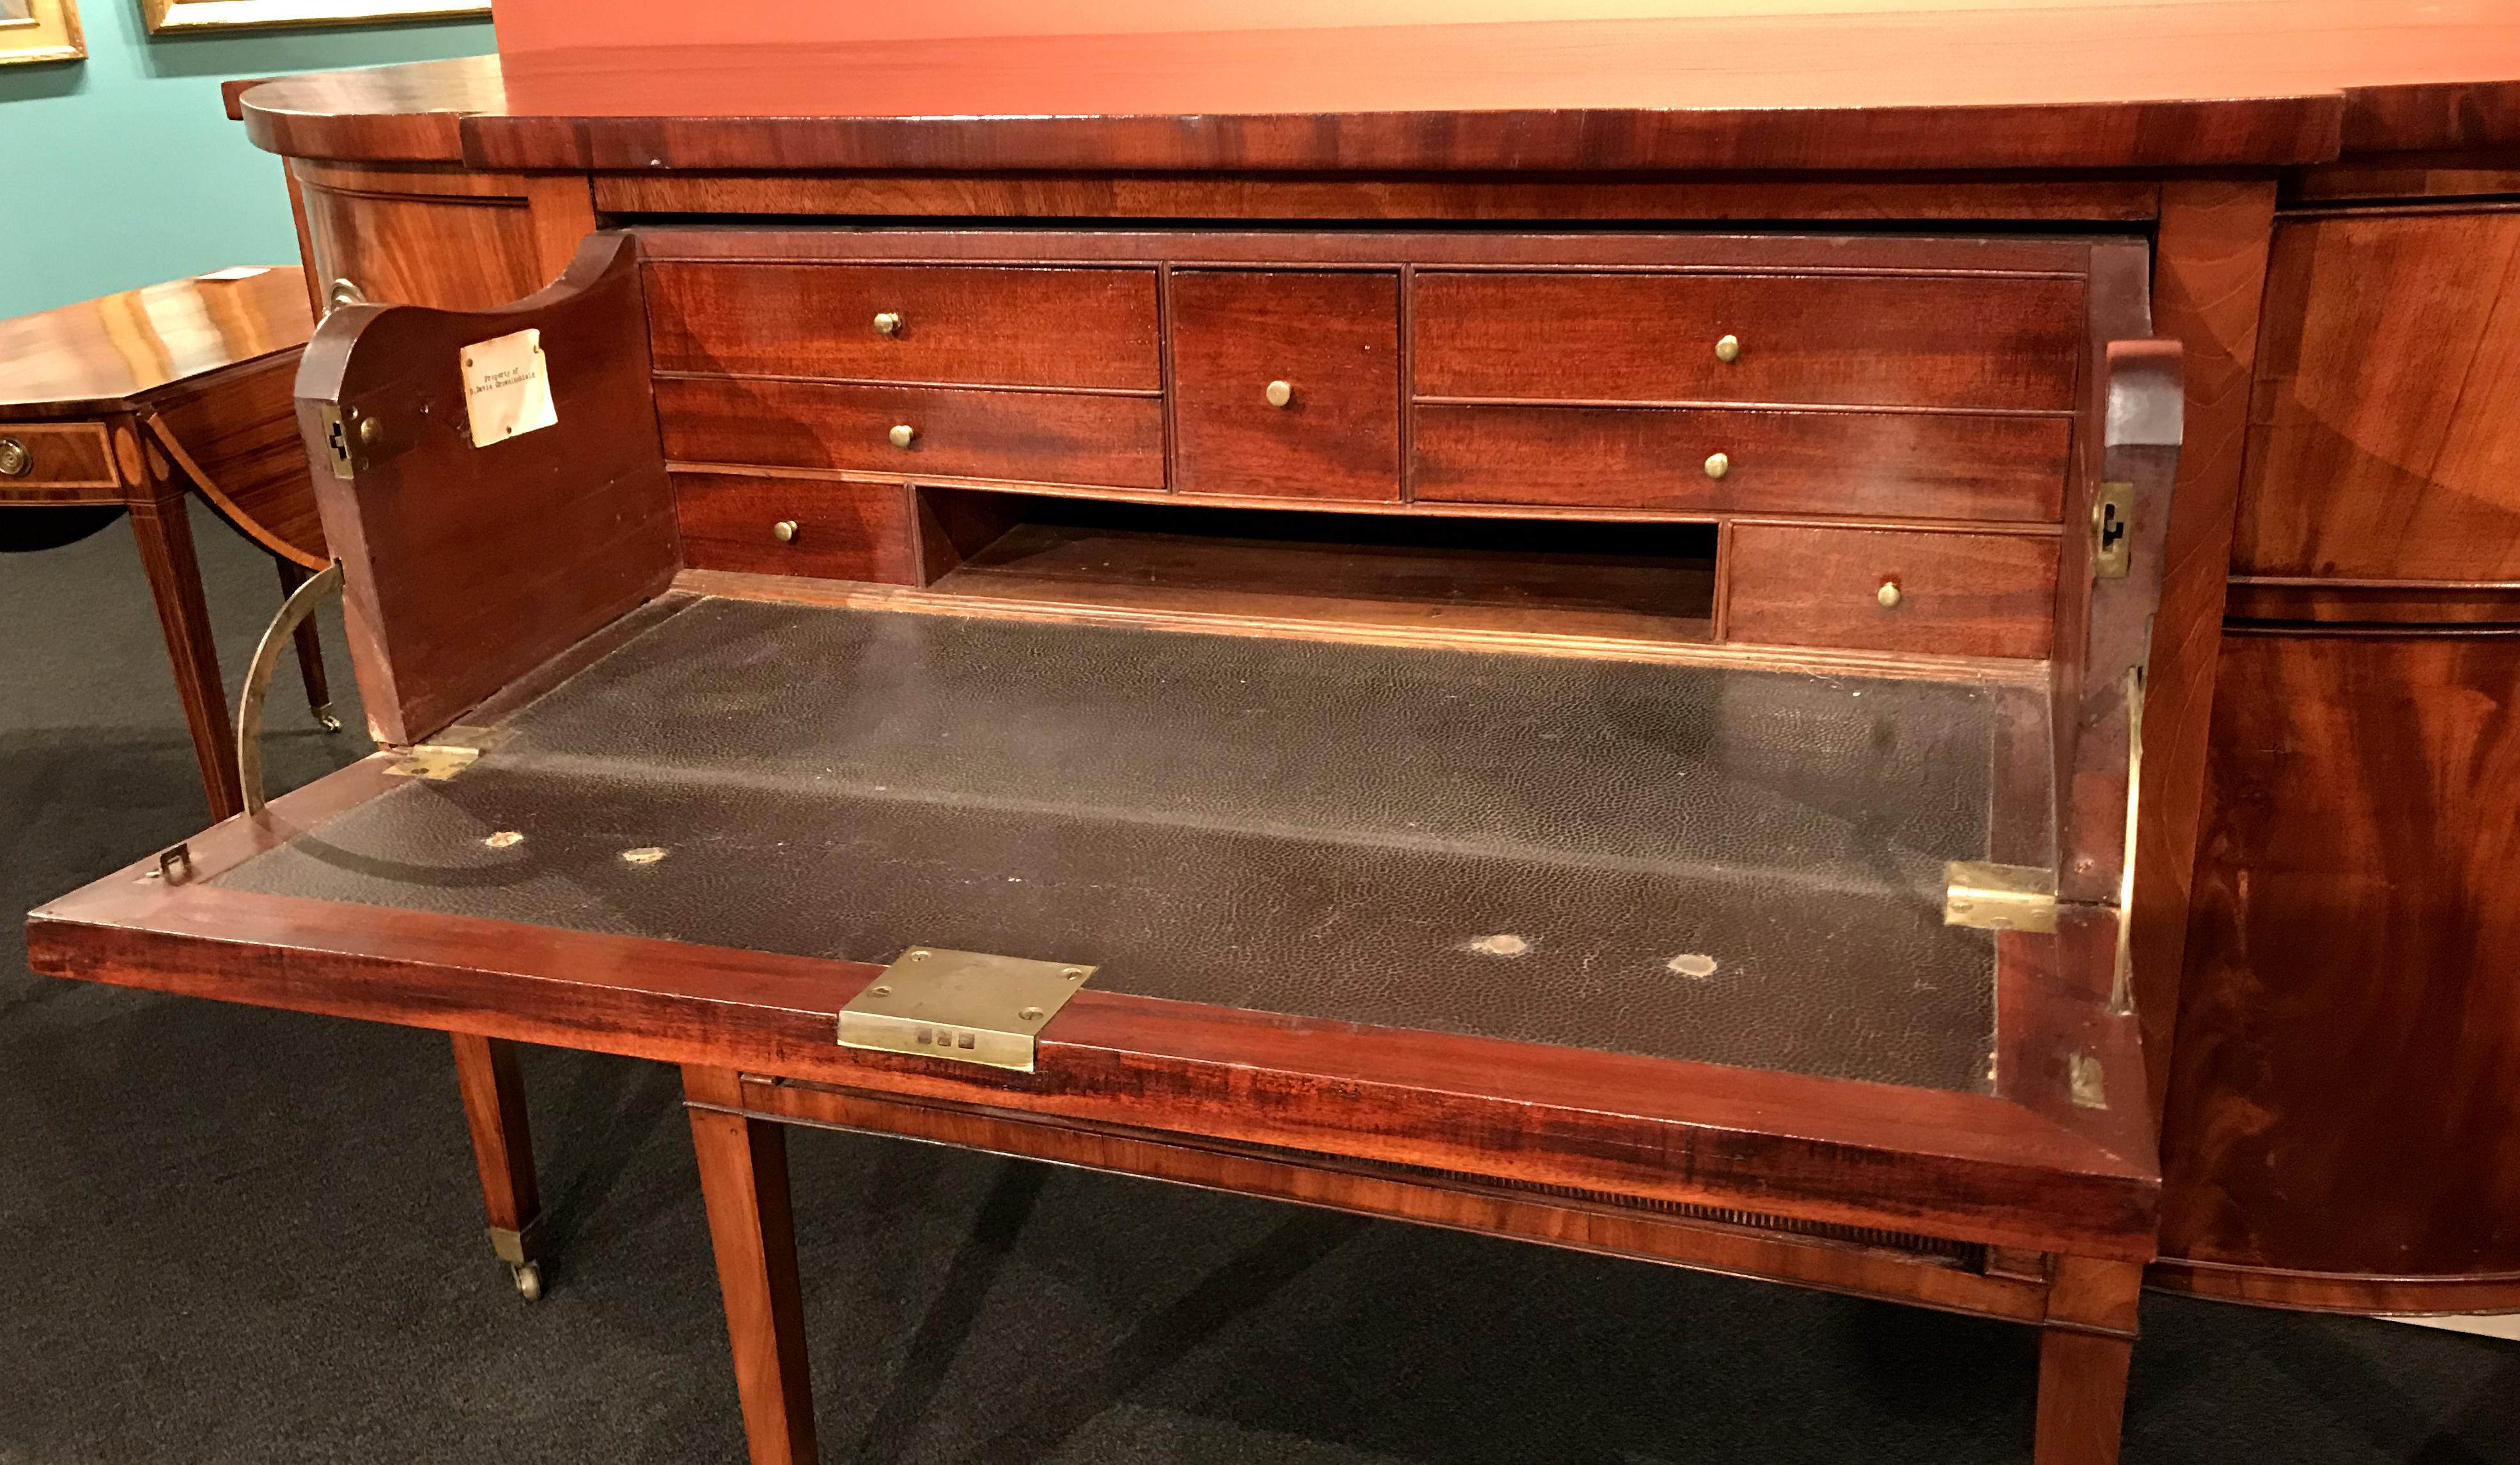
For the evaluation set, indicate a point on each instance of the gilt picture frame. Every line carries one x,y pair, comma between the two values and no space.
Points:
40,30
179,17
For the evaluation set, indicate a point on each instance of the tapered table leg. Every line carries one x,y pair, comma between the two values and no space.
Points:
2083,1358
310,651
503,1147
743,1177
165,537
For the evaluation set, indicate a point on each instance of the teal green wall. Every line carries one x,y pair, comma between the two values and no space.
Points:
122,169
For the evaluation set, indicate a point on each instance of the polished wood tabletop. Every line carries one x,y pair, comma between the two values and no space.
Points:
105,352
2206,82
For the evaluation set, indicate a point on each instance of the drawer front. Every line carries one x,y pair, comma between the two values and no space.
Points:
1038,437
1333,338
983,326
1958,595
834,531
56,455
1904,464
1851,340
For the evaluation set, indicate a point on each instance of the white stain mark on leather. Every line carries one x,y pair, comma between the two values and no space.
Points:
645,854
1505,944
1691,965
504,839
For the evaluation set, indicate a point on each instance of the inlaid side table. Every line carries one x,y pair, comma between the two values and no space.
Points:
129,402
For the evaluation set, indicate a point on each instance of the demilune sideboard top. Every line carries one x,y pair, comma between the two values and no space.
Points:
1600,630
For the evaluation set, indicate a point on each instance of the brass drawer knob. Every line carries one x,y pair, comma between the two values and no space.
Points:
15,459
1728,349
1887,595
903,436
1281,393
784,531
888,323
1718,465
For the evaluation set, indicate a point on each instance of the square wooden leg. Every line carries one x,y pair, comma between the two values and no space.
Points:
2083,1358
743,1177
493,1084
165,537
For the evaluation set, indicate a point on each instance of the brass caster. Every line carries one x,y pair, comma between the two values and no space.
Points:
529,1280
325,719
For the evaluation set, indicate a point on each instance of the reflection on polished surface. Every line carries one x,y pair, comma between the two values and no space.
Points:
121,345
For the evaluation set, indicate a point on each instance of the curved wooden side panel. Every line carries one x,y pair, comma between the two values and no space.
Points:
467,564
2343,1127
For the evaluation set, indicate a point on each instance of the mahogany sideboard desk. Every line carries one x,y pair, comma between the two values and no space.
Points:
128,402
1222,527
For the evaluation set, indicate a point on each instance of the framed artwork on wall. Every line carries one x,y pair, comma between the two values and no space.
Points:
165,16
33,30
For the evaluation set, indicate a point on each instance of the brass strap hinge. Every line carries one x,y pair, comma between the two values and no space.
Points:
969,1007
1998,897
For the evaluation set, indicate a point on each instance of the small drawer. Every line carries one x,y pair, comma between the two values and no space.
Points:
1286,383
1822,339
980,326
1902,465
1952,594
55,455
790,527
1028,436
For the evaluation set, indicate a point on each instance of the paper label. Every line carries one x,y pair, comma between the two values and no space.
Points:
235,272
506,387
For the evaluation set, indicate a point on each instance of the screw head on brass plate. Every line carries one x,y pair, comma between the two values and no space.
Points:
369,429
1728,349
903,436
1889,593
888,323
784,531
1718,465
1281,393
15,460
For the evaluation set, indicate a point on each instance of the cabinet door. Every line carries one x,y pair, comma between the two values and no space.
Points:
2345,1094
1286,383
439,237
2381,439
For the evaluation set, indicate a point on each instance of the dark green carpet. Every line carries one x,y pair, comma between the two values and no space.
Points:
236,1235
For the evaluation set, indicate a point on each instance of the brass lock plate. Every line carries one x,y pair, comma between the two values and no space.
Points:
969,1007
2112,517
436,762
1998,897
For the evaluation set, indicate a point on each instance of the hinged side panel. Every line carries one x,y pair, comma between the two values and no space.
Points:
467,564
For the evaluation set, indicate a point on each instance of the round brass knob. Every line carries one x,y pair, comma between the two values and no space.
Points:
903,436
1718,465
784,531
888,323
369,429
15,460
1887,595
1281,393
1728,349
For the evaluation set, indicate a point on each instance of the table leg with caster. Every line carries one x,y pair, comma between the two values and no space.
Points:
494,1107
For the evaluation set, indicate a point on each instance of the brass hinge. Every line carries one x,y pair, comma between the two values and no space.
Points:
2112,519
433,761
969,1007
1998,897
